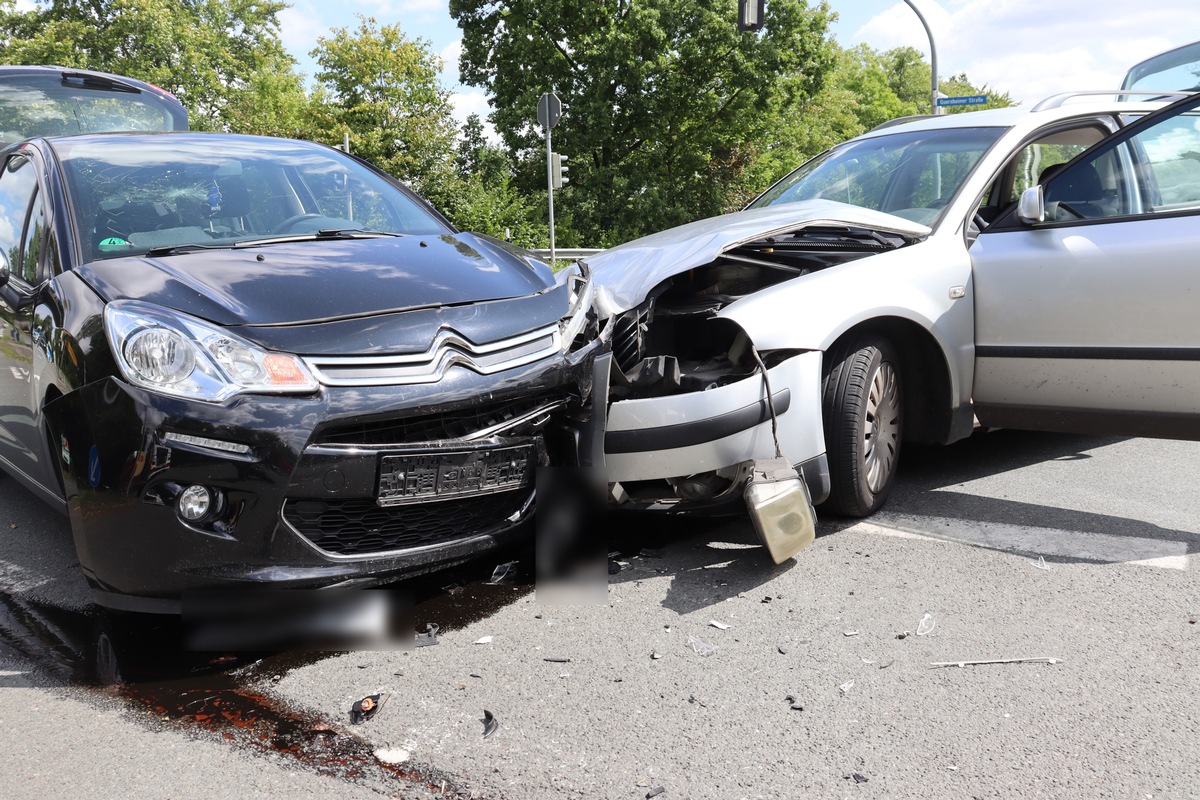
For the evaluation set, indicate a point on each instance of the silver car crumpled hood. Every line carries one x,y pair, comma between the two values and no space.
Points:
625,274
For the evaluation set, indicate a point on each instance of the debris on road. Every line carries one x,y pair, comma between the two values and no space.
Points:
1041,563
429,637
483,640
389,755
766,599
1034,660
655,655
849,633
846,687
782,650
858,778
365,709
721,626
490,723
926,625
504,573
655,792
454,588
558,660
648,552
793,702
701,648
887,664
904,634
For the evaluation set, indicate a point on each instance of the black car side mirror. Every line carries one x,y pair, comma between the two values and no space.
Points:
13,297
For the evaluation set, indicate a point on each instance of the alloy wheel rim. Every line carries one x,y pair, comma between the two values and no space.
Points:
881,431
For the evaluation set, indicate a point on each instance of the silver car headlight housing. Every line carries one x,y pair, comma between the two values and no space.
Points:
181,356
582,295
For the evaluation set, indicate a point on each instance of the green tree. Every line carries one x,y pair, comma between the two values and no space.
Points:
383,88
670,106
209,53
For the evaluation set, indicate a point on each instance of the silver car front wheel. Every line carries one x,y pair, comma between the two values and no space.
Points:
863,406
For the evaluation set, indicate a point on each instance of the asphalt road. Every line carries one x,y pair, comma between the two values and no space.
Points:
1016,546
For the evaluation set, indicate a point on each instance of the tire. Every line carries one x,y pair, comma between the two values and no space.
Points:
862,407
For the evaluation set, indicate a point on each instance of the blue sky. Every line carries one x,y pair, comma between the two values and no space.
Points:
1029,48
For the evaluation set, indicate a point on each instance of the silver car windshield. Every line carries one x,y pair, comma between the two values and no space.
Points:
133,194
912,175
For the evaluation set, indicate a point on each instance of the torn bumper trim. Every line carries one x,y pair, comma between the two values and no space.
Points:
701,431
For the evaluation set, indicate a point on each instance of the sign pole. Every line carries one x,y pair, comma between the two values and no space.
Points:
550,191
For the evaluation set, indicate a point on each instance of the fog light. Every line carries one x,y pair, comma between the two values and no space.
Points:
780,508
195,502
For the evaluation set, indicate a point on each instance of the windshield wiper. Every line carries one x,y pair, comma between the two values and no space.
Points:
176,249
325,234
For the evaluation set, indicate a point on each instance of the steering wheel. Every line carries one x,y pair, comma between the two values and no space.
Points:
287,224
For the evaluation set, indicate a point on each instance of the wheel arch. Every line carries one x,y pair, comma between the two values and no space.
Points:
930,409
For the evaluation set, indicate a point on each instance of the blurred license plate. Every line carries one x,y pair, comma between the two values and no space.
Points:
443,476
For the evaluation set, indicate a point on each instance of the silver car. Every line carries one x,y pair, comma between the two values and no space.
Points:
1031,268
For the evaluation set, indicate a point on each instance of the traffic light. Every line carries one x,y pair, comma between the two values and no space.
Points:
558,170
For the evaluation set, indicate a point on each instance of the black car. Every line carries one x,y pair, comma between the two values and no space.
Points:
242,361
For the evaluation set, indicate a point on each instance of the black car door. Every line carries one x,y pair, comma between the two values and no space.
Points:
23,238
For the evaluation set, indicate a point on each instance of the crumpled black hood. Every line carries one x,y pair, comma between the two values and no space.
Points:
296,282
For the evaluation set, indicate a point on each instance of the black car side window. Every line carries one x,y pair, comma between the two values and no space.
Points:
18,185
35,237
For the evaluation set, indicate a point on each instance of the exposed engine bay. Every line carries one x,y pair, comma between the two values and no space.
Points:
674,342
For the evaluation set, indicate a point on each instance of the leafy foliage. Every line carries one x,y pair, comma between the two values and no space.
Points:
209,53
669,104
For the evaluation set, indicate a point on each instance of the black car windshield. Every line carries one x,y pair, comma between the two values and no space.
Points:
912,174
135,193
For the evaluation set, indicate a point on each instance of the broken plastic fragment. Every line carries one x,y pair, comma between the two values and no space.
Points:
504,572
849,633
925,625
1035,660
655,792
793,703
429,637
655,655
701,648
859,778
846,687
1041,564
721,626
391,755
490,724
364,709
484,640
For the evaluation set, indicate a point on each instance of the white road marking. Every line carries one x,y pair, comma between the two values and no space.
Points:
1102,547
16,580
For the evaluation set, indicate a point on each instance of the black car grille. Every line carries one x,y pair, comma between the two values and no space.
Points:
629,337
361,527
436,426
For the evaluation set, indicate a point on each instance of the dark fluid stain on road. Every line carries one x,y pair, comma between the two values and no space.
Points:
140,659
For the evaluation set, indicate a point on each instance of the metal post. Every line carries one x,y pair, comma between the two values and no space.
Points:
933,94
550,192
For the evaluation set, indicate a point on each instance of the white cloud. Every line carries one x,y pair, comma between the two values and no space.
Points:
473,101
1034,49
299,27
449,55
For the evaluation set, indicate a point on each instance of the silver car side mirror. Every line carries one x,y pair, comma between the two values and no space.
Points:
1031,207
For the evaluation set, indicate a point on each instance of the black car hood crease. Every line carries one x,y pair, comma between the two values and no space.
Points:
312,281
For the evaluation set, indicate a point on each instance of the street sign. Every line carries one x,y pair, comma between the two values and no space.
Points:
965,100
549,110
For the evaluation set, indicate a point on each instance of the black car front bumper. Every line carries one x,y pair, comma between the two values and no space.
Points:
298,479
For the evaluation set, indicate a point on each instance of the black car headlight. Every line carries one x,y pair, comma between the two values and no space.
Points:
178,355
582,293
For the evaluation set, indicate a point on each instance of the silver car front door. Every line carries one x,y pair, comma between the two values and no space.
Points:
1086,320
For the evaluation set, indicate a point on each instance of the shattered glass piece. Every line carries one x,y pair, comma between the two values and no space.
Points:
504,573
483,640
721,626
925,625
701,648
846,687
429,637
490,723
